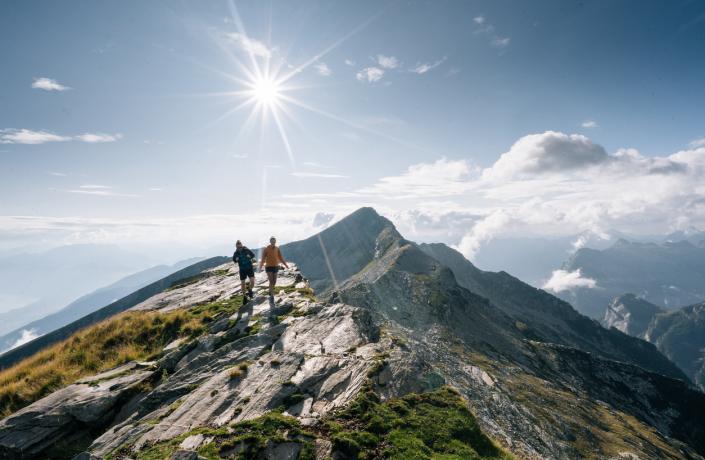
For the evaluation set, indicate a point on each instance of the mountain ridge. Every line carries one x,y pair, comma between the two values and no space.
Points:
392,321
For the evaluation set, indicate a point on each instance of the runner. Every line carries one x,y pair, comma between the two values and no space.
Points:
245,259
271,258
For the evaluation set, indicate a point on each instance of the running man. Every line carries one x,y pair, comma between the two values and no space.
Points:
271,258
245,260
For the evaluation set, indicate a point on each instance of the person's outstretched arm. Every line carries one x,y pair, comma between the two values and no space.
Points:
281,258
264,256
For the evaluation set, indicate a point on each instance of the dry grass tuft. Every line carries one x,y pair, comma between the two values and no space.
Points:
126,337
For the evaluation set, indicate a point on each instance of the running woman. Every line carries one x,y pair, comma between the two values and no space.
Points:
271,258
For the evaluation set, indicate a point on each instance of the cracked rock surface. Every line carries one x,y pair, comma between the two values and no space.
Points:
227,375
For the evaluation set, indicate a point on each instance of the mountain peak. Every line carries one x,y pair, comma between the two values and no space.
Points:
343,249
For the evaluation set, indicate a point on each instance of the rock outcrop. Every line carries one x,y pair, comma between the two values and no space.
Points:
679,334
630,314
248,364
299,376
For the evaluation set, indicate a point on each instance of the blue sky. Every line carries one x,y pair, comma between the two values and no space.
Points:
112,123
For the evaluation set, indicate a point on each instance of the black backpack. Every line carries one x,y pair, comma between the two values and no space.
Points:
243,259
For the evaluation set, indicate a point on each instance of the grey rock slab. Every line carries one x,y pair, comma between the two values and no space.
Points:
192,442
210,288
117,436
70,409
335,329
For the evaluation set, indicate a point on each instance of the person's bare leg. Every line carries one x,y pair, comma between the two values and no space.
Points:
272,277
252,284
242,287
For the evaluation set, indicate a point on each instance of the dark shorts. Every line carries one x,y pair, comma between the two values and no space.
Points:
247,273
271,269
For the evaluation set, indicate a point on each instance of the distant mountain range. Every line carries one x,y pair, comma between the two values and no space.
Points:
33,285
89,303
533,259
670,274
678,334
20,352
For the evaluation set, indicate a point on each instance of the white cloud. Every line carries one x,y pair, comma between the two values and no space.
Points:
102,193
100,190
545,153
202,231
370,74
387,62
589,124
501,42
563,280
349,62
250,45
58,174
483,231
26,335
27,136
422,68
322,219
317,175
442,178
95,138
549,184
323,69
697,143
484,28
95,186
47,84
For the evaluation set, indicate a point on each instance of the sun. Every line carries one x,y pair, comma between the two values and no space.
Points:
265,79
266,91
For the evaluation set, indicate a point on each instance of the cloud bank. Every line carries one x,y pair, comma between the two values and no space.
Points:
550,184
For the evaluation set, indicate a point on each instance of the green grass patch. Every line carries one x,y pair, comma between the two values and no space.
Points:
217,308
306,292
428,426
436,425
